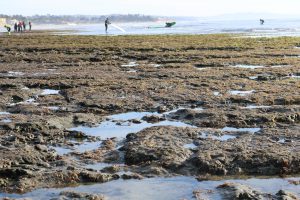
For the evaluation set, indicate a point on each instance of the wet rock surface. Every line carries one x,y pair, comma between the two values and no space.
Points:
248,154
226,121
239,191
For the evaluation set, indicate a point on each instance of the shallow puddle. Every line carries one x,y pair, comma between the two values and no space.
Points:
216,93
241,93
98,166
253,77
109,129
81,148
281,140
163,188
49,92
224,137
13,74
201,68
155,65
4,113
55,108
248,66
232,129
130,64
294,76
31,101
119,125
190,146
256,107
6,121
131,71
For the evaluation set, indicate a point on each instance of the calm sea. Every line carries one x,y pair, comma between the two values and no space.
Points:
272,27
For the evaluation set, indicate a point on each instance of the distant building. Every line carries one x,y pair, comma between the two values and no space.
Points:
2,21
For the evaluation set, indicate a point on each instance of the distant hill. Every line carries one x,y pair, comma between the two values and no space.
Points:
79,19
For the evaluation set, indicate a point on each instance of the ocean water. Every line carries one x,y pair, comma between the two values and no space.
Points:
271,28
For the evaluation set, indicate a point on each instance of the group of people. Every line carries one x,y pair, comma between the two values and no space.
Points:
18,27
21,26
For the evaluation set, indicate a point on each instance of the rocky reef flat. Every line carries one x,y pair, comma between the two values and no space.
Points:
149,117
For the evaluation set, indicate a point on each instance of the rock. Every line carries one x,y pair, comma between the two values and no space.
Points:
41,147
69,195
162,109
237,191
135,121
76,134
153,118
285,195
132,176
111,169
94,177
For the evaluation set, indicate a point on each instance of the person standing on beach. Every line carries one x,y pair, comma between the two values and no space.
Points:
107,22
16,27
8,28
24,25
30,25
20,27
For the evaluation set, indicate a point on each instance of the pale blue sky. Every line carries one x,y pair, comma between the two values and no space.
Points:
149,7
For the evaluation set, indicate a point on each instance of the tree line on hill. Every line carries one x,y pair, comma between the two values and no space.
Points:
79,19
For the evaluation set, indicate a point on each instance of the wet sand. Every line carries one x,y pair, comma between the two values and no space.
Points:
191,109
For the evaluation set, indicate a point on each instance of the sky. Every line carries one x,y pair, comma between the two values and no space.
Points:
199,8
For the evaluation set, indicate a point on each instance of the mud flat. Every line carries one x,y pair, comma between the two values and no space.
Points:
149,117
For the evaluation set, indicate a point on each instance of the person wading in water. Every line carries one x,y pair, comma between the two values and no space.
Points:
107,22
